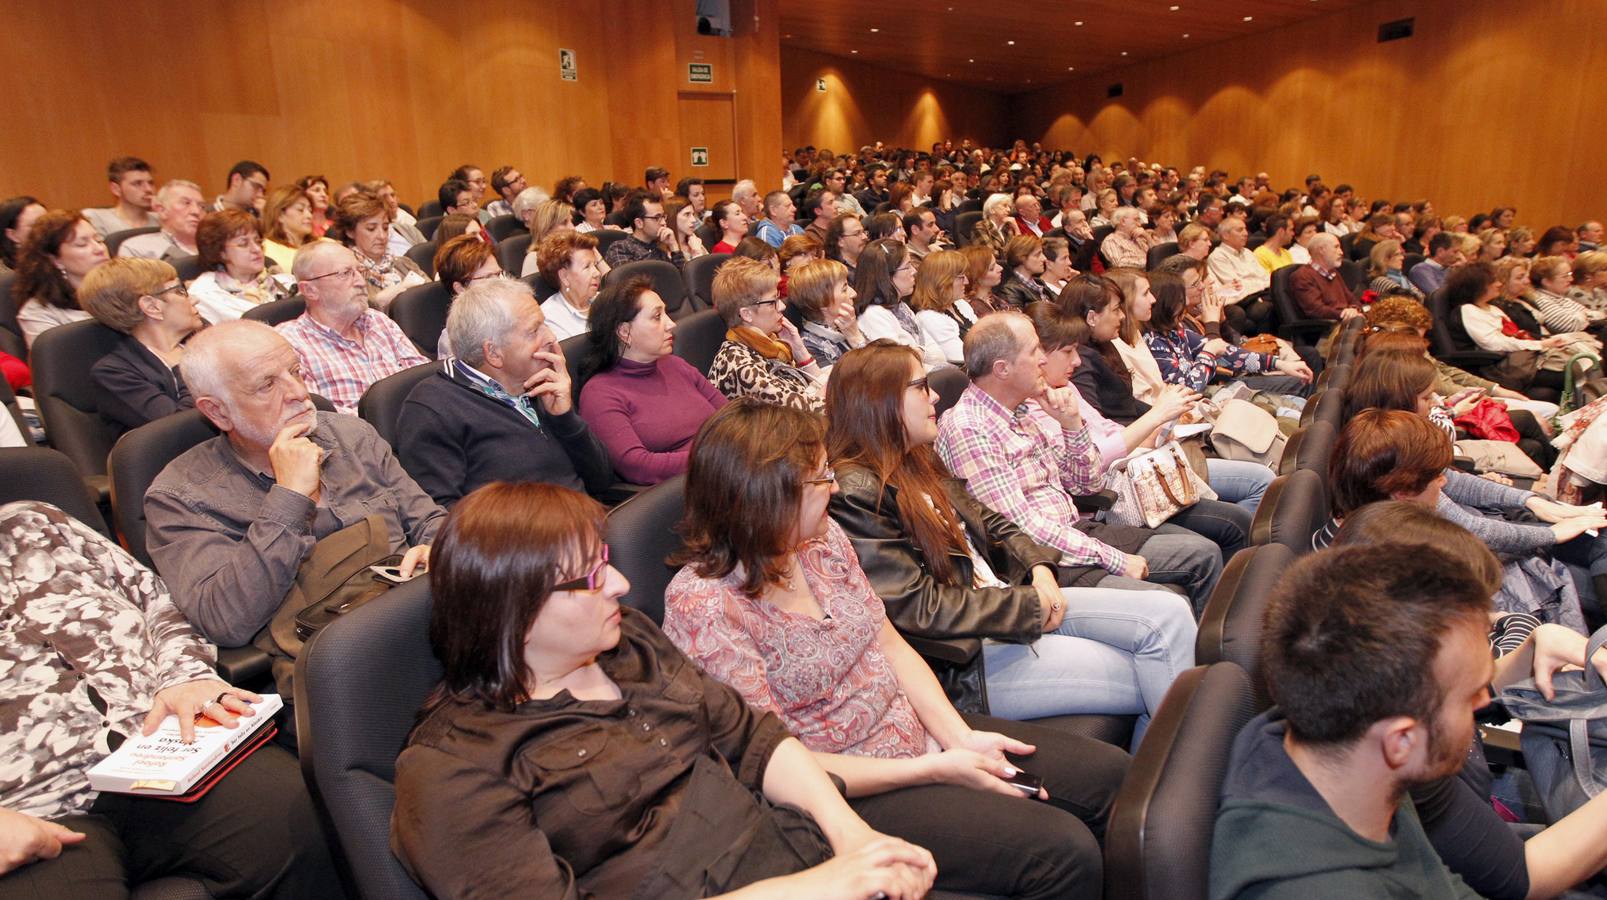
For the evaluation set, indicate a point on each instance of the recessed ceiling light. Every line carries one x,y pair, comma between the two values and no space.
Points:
1078,22
1011,43
874,30
1176,8
1249,18
1071,68
1185,34
786,35
853,51
1124,52
970,60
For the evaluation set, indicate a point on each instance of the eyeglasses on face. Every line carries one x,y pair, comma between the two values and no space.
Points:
777,302
923,383
592,581
826,476
179,289
348,272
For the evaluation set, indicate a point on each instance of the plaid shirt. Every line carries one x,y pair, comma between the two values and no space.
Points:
1024,466
339,369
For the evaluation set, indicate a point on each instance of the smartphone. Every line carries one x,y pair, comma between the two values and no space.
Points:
393,574
1025,782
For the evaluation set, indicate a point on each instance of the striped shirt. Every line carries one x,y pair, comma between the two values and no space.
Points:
1022,464
340,369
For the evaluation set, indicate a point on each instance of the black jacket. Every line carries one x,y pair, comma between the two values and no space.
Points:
1018,293
452,439
137,387
1105,390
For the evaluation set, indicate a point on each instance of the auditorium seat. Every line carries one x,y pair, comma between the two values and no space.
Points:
504,226
1354,275
359,684
428,224
1343,349
1255,241
116,238
1324,406
1098,241
1293,325
46,475
67,396
277,311
698,338
1334,377
666,279
574,350
965,224
1309,448
511,253
1158,842
1159,254
606,237
429,209
188,267
420,311
948,383
381,405
423,255
1294,508
641,536
1231,625
700,278
539,286
8,399
1444,343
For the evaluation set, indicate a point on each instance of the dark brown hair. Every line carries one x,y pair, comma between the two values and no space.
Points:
865,415
1352,634
38,279
743,486
1381,453
1055,328
1094,294
351,210
492,569
217,228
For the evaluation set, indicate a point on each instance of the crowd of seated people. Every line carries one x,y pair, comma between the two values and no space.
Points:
835,522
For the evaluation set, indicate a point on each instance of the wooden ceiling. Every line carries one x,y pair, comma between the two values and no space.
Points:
1011,46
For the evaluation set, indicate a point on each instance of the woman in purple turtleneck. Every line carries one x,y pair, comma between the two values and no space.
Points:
642,403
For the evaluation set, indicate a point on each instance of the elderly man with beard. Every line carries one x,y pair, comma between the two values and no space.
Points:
232,520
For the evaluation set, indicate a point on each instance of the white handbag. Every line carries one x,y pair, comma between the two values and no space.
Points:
1154,486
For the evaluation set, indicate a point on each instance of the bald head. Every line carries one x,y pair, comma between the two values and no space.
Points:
216,354
246,378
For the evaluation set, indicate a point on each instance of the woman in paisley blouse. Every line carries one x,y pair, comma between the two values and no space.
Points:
362,223
772,601
763,356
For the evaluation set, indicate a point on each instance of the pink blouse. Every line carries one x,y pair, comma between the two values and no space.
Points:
827,680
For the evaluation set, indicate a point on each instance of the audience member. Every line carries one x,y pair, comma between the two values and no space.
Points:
143,300
404,227
549,217
1318,290
343,345
568,261
1024,265
130,180
1551,277
824,297
778,224
921,232
235,276
780,610
1384,264
643,403
1429,275
732,800
883,281
819,207
317,189
501,407
1240,279
733,225
1589,285
763,355
1128,244
1023,451
508,184
1193,359
649,239
179,208
97,653
941,311
363,225
684,221
1275,252
239,525
998,224
846,240
62,248
589,209
458,195
286,224
1376,660
17,217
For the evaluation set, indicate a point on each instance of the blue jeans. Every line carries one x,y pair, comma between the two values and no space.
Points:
1116,652
1239,482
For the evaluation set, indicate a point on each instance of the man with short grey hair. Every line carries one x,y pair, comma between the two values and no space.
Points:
179,208
1129,244
525,204
746,195
501,407
232,520
344,345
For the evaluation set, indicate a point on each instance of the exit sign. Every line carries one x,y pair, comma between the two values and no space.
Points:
700,73
700,156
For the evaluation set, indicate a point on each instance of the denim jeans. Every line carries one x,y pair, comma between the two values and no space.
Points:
1239,481
1116,652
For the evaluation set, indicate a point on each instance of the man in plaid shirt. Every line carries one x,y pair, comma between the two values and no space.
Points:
344,345
1023,451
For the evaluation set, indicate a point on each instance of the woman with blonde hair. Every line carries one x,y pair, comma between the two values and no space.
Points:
1105,203
824,297
1384,267
286,224
549,217
1590,280
1492,245
941,310
764,356
1521,241
143,299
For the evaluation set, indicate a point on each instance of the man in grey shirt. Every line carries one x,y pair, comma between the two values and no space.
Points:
231,520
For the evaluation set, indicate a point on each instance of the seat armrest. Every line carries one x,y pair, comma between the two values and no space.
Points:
1093,503
956,652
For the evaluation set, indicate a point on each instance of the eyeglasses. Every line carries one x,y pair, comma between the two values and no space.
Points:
592,581
827,476
777,301
922,382
657,218
179,289
348,272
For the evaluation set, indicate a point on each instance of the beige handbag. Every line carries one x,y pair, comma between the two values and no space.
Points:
1154,486
1244,431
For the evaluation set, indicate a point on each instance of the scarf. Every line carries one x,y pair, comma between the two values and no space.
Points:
1511,330
760,343
380,273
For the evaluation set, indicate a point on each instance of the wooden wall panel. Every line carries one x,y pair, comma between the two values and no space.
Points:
1485,105
402,89
864,104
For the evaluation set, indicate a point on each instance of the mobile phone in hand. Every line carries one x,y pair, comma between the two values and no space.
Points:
1025,782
